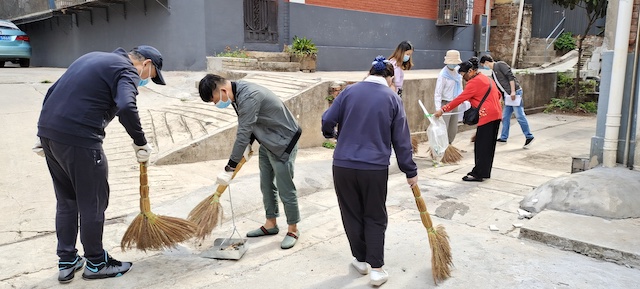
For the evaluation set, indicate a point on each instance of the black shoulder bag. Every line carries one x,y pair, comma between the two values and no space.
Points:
472,115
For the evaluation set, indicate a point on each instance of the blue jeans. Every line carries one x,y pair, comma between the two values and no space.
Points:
520,116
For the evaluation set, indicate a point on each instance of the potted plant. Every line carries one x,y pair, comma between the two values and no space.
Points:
304,51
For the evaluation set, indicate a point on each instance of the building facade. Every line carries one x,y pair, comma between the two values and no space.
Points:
348,33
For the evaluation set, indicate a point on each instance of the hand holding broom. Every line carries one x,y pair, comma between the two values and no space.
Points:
207,214
151,231
438,241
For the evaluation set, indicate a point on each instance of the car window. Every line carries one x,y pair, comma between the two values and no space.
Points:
8,25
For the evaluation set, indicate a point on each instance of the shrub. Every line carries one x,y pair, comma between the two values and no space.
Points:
565,80
562,104
588,107
565,42
239,53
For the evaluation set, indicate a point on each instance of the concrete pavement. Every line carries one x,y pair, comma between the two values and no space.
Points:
483,258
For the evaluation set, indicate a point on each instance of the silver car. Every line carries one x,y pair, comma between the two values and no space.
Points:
14,45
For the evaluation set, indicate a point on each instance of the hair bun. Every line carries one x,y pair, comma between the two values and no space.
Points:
379,63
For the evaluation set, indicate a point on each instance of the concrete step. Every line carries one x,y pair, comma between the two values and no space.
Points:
536,59
550,227
279,66
269,56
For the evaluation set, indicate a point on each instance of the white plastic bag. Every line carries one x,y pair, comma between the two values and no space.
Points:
438,137
437,133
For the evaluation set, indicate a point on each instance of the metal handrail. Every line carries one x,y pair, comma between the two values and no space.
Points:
554,39
554,30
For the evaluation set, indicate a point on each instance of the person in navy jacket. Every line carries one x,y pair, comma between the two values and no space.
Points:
76,110
370,119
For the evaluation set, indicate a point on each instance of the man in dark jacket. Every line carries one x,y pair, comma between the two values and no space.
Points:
76,110
513,101
261,116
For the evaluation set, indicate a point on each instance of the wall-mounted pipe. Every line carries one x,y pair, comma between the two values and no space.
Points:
618,71
632,98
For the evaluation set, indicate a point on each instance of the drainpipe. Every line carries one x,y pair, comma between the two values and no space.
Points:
618,71
632,98
515,43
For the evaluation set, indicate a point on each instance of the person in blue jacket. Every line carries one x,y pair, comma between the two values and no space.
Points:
76,110
370,119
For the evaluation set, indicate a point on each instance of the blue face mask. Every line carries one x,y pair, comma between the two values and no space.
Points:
452,66
223,104
406,58
144,82
485,67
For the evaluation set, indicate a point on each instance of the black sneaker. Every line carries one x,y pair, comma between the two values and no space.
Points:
501,140
105,268
68,269
527,143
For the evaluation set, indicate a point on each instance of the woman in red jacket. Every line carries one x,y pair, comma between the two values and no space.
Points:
489,122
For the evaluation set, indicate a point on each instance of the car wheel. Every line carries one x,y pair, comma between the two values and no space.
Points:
25,62
1,63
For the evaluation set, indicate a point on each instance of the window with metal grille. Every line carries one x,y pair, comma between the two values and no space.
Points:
261,21
455,13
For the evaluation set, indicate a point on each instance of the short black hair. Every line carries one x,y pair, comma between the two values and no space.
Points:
486,58
471,64
208,84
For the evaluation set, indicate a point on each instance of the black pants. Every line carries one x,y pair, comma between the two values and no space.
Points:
362,197
80,183
485,149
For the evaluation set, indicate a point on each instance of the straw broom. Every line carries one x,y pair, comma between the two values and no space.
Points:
149,231
441,260
452,155
207,214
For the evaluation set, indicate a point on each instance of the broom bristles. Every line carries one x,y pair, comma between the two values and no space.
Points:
452,155
441,260
152,232
206,216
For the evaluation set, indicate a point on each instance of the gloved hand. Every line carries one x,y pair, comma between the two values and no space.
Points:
248,152
142,152
37,148
224,178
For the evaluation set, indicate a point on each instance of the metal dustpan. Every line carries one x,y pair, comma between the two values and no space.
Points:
228,248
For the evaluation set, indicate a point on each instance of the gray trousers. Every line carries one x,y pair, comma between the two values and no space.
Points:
452,123
82,191
276,178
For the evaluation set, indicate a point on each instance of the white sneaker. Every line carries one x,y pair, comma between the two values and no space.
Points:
362,267
378,277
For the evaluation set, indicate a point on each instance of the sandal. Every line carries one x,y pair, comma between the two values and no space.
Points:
471,178
290,240
262,231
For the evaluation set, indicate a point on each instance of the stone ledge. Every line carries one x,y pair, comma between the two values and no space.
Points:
614,241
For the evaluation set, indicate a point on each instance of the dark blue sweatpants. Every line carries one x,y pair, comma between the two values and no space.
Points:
82,191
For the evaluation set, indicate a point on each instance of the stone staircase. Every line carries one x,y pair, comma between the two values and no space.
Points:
257,60
537,54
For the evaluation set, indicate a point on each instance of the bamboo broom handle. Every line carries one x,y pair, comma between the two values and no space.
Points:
424,215
145,204
222,188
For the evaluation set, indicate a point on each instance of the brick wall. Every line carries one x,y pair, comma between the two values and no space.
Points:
427,9
634,25
503,35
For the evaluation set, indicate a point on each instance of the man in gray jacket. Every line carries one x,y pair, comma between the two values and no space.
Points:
262,116
513,101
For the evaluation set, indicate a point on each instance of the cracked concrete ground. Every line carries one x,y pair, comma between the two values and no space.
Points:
482,258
